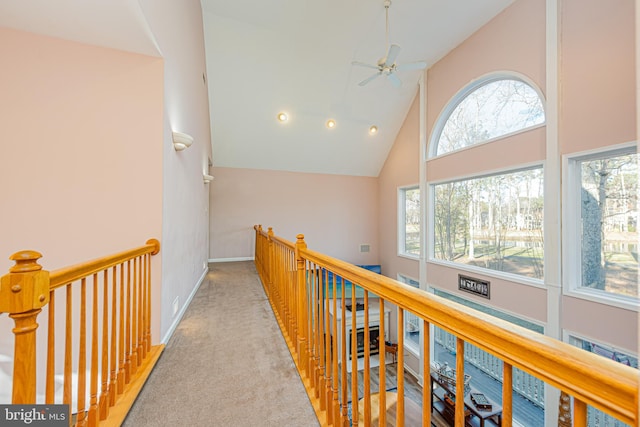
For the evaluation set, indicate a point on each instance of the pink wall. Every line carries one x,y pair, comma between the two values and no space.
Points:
81,164
598,74
336,213
514,42
81,161
402,168
598,109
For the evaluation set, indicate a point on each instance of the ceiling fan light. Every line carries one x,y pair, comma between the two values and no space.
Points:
331,123
373,130
283,117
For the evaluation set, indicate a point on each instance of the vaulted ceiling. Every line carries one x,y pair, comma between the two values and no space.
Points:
293,56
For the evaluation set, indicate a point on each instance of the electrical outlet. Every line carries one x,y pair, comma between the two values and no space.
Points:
204,265
365,247
176,305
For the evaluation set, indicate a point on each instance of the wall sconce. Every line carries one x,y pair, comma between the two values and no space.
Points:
207,178
181,141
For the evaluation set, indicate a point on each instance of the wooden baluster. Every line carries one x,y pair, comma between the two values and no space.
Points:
149,298
400,370
343,355
93,402
382,369
51,353
121,334
142,315
23,293
354,360
326,369
104,392
320,339
301,278
67,398
507,394
367,364
426,369
140,330
134,319
459,381
127,345
114,360
270,267
334,356
314,331
82,356
579,413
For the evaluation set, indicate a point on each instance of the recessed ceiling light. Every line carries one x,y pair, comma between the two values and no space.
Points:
283,117
331,123
373,130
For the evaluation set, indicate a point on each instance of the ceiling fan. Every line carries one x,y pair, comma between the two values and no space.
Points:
387,65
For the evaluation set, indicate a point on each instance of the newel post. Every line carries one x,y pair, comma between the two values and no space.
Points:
23,293
301,303
271,264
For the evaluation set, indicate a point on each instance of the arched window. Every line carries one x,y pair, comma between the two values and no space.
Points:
485,214
493,109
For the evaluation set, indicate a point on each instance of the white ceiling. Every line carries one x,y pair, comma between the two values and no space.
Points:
264,57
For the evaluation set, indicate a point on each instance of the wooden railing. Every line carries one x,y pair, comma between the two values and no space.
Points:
98,332
302,286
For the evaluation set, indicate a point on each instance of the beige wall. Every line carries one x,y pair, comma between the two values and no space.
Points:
336,213
598,109
81,163
513,42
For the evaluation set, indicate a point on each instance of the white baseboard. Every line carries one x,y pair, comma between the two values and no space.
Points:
231,259
178,318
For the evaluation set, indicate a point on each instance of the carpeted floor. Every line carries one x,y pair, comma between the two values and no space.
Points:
226,364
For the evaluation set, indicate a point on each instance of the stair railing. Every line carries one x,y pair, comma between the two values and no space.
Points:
303,287
98,319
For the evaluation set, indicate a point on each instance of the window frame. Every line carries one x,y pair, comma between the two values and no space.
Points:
457,98
571,231
410,346
430,231
402,226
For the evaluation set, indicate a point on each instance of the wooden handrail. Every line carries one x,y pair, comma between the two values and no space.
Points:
600,382
70,274
591,379
114,352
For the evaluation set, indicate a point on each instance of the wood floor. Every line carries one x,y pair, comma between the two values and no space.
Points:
412,392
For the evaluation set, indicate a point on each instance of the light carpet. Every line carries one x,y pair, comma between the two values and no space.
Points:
227,363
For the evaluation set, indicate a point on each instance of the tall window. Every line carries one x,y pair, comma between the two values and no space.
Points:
409,221
494,222
605,199
495,109
489,220
411,321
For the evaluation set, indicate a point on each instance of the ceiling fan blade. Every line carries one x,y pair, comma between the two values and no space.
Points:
368,79
362,64
394,50
394,80
420,65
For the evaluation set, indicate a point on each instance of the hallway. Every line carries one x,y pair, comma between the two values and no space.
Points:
227,363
